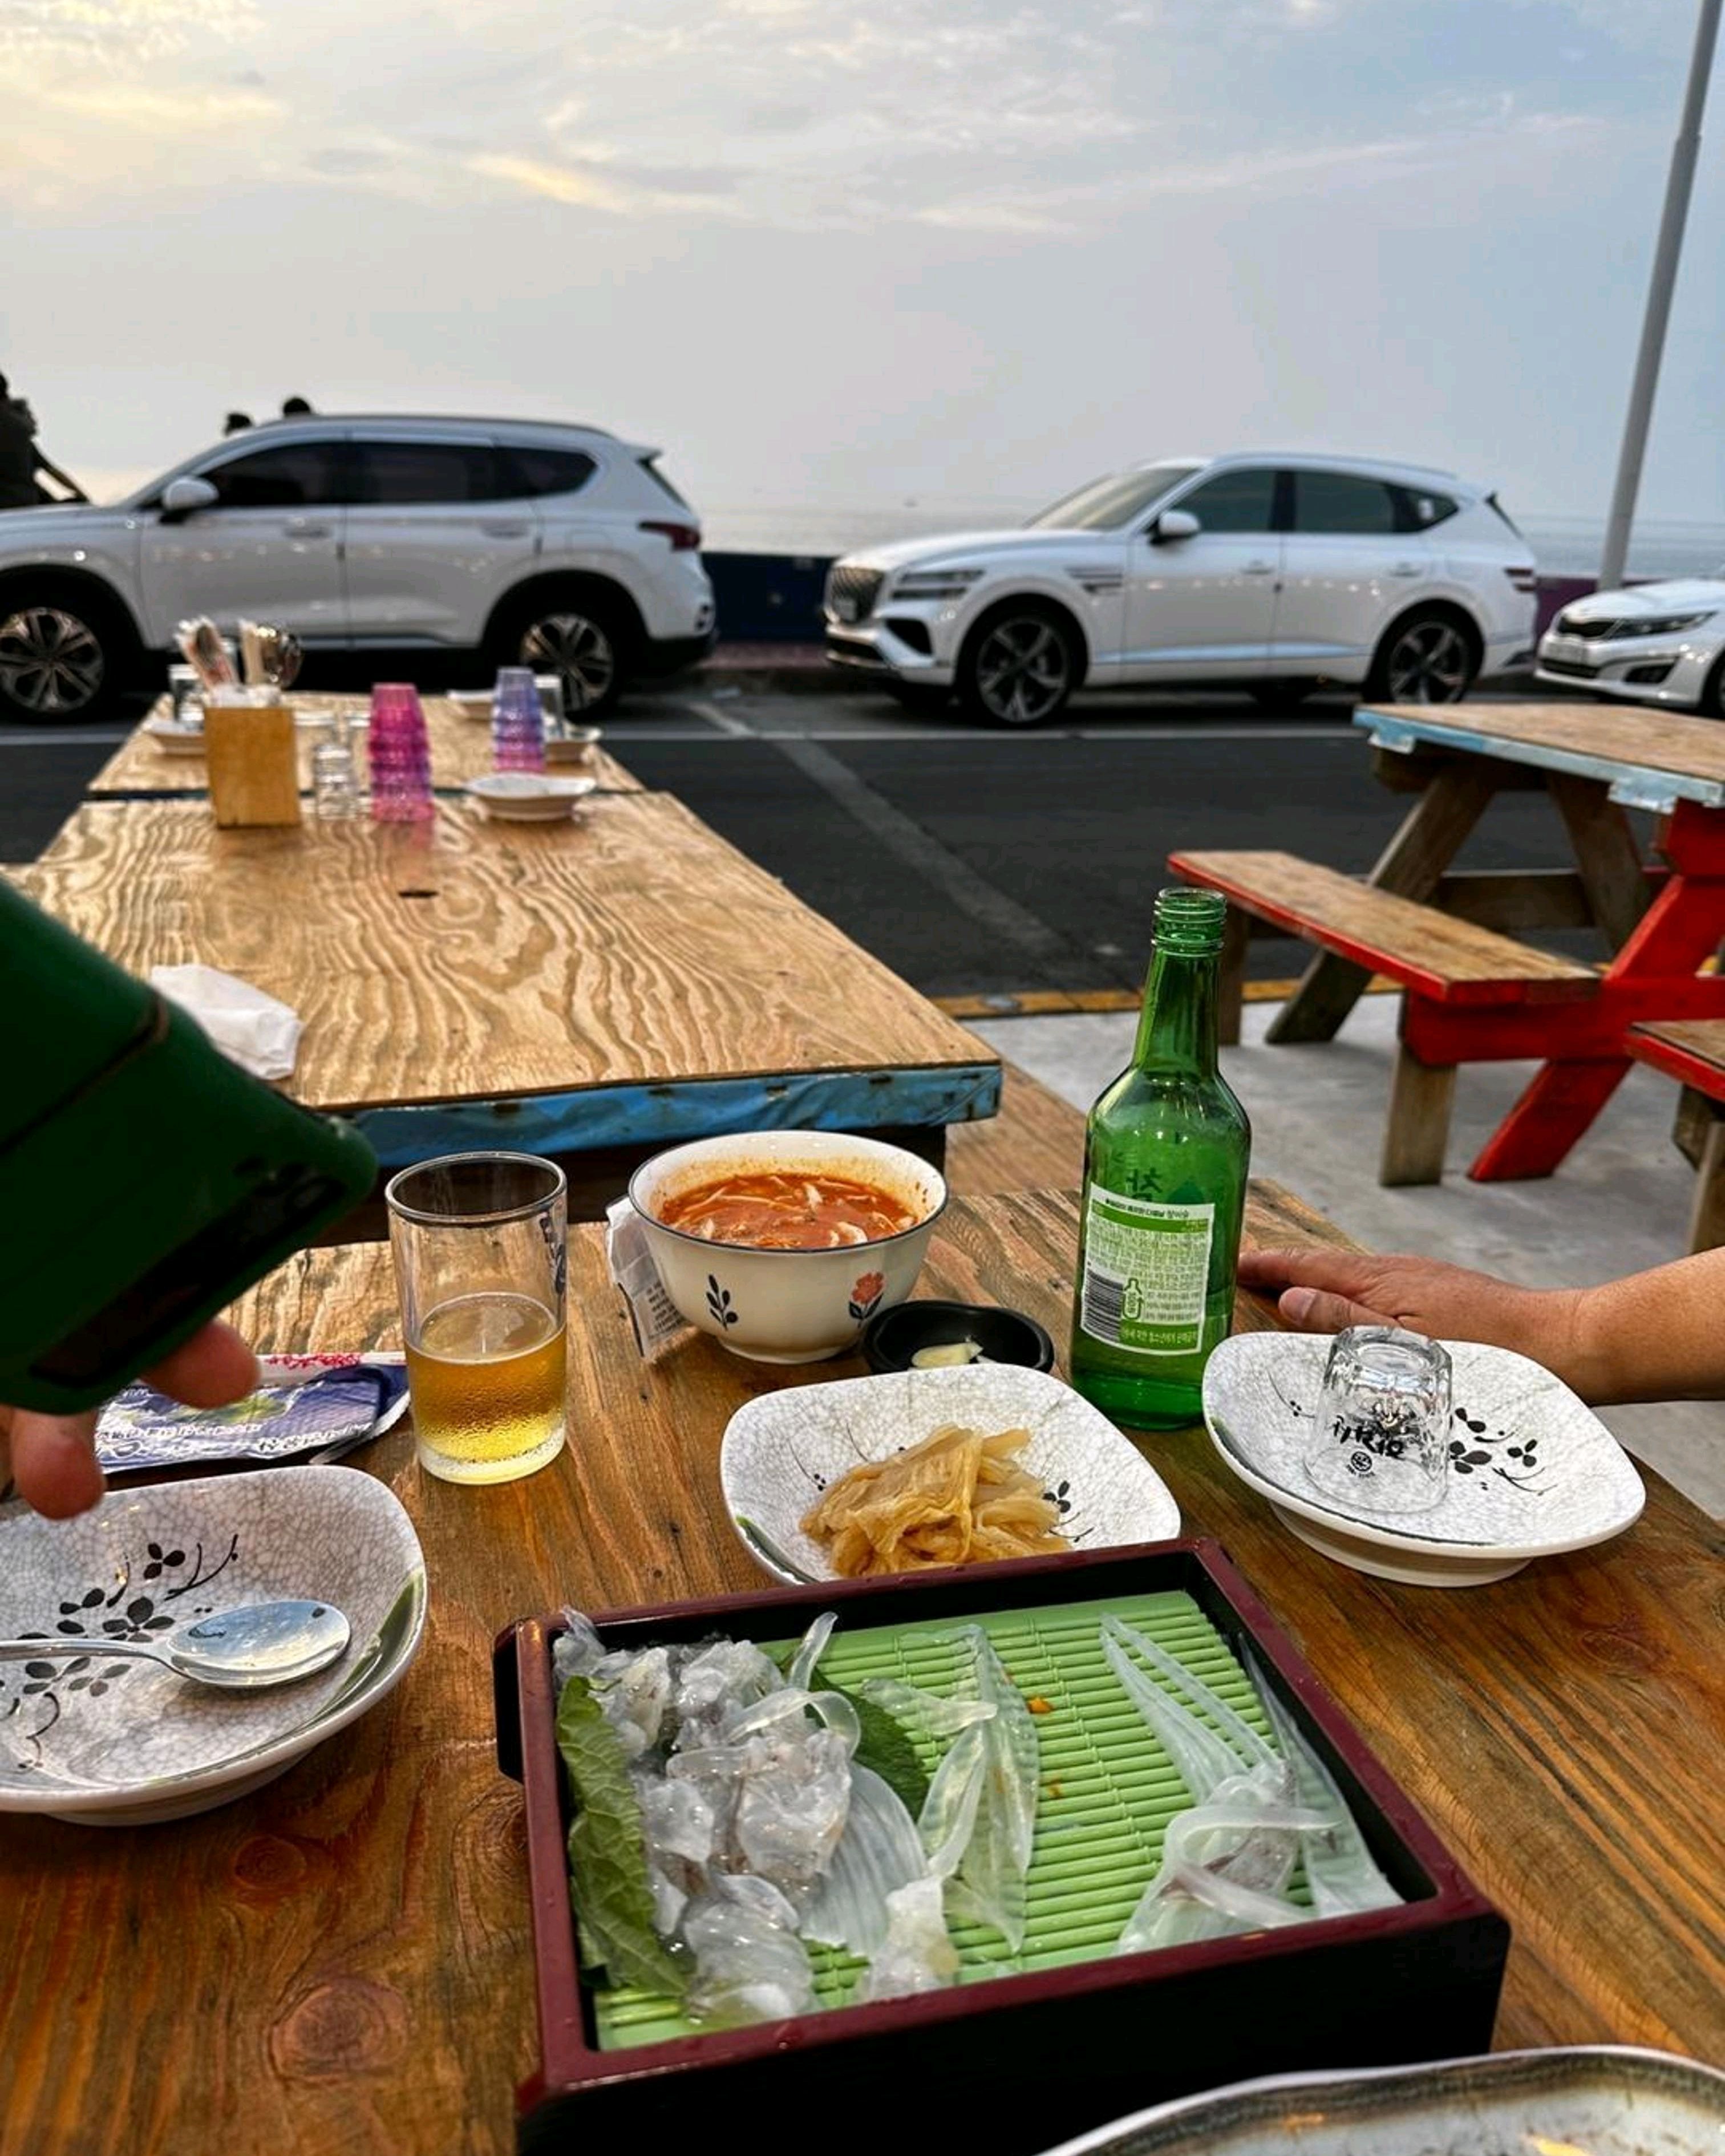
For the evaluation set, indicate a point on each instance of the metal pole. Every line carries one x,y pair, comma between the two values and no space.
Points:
1658,299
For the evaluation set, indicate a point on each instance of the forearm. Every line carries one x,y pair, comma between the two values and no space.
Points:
1652,1336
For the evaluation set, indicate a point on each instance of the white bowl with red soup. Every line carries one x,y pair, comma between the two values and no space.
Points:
783,1245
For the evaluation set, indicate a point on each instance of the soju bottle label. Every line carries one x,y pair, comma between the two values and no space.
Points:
1146,1270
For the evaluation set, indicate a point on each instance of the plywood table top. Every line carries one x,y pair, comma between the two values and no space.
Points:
605,969
1650,759
460,750
341,1960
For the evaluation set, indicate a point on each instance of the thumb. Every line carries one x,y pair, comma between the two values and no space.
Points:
1313,1309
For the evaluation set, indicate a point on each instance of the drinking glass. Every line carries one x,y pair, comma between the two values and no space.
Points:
479,1240
399,753
335,776
517,721
1382,1442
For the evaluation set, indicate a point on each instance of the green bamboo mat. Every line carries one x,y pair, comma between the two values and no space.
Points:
1108,1789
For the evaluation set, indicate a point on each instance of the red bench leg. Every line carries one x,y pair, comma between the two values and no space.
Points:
1559,1104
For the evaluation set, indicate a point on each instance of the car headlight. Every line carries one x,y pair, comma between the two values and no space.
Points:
934,583
1665,625
1620,626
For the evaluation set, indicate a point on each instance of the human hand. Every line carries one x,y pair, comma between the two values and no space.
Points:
52,1457
1320,1290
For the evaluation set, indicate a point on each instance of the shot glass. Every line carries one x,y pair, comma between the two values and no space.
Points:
1382,1443
481,1247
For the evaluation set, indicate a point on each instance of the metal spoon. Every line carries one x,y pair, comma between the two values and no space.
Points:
266,1643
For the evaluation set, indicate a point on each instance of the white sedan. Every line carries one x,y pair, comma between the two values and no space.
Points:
1653,644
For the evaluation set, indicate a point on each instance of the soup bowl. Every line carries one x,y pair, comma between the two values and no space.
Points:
787,1306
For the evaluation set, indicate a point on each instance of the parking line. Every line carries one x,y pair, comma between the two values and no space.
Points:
919,850
61,739
737,729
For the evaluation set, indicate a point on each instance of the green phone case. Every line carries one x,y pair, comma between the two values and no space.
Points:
145,1179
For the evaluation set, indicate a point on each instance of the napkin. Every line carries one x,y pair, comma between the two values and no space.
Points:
256,1031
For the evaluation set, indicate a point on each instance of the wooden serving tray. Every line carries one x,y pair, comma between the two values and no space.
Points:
1019,2060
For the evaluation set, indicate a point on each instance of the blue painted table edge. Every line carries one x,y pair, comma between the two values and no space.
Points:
1634,785
598,1117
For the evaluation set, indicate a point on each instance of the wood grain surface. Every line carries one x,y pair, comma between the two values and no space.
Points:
460,750
341,1961
1411,941
1692,1050
1636,739
472,960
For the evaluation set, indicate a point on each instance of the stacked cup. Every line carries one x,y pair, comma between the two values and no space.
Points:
517,721
400,756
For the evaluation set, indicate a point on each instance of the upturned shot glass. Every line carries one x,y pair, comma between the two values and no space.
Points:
481,1247
1382,1443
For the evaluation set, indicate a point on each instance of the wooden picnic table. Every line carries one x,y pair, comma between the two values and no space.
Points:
1596,762
595,989
341,1960
460,750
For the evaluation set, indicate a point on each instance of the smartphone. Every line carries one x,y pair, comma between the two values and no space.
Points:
145,1179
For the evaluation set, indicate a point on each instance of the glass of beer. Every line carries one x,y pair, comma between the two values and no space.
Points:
480,1245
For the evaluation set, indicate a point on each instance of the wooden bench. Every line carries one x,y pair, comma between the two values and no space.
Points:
1435,957
1693,1053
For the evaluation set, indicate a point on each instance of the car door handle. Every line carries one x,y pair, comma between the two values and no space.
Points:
302,527
500,531
1408,569
1259,569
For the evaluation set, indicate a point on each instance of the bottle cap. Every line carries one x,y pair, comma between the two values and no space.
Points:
1190,923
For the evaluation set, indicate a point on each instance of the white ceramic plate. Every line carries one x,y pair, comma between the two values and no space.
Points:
1534,1470
780,1451
175,741
117,1743
528,796
1582,2099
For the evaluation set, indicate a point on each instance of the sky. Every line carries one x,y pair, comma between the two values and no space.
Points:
914,252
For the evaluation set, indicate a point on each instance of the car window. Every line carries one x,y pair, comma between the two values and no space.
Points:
1110,505
429,472
533,470
1421,508
1235,500
1337,502
292,475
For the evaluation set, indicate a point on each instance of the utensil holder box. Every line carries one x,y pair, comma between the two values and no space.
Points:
253,757
1016,2063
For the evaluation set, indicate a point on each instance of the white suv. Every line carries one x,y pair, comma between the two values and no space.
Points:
1279,573
560,547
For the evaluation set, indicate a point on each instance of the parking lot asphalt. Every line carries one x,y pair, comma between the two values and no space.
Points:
973,862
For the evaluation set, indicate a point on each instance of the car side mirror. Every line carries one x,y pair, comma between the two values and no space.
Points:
184,497
1174,524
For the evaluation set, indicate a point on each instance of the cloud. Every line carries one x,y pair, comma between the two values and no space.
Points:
114,31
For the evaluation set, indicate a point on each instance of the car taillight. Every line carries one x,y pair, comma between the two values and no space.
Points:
1524,580
684,538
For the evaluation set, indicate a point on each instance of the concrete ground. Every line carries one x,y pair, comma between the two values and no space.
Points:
1620,1203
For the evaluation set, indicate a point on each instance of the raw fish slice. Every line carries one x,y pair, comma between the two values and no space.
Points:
990,1884
879,1852
916,1952
749,1963
925,1713
1340,1870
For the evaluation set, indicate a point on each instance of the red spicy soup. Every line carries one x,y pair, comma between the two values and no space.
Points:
789,1211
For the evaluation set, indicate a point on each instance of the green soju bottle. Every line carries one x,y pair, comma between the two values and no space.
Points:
1165,1159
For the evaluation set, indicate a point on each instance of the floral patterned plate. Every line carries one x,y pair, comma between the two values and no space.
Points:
1581,2100
1533,1470
306,1404
782,1450
123,1743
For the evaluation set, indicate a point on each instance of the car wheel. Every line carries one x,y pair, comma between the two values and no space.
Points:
580,639
1712,696
1281,695
1020,666
1427,657
64,657
920,696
